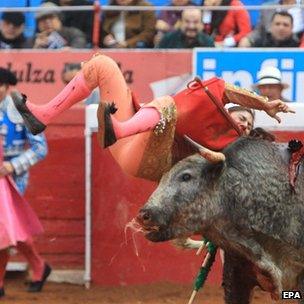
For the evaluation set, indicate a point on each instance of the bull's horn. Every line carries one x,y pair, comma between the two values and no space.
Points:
212,156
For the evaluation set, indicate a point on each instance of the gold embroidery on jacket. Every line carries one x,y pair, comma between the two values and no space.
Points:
157,158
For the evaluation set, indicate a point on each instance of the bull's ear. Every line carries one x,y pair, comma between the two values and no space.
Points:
218,168
213,171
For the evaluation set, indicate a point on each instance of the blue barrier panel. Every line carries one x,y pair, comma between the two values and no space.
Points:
254,14
240,66
35,2
12,3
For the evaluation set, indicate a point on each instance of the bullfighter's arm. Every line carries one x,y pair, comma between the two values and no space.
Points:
244,97
36,151
252,100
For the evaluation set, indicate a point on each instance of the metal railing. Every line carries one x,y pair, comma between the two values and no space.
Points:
150,8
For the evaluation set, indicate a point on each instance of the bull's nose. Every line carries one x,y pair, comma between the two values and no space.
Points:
144,216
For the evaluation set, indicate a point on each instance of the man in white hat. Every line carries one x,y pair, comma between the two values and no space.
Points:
270,83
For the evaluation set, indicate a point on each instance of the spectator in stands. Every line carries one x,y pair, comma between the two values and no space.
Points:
226,27
52,34
168,21
270,83
264,23
83,20
280,34
18,222
12,31
189,35
128,29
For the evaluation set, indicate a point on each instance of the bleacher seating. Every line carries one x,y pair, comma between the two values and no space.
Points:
30,17
254,14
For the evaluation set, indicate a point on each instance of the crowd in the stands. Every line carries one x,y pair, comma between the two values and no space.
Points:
282,26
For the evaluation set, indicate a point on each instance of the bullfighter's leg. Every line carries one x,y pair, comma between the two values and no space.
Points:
238,282
111,129
100,71
103,72
40,270
4,256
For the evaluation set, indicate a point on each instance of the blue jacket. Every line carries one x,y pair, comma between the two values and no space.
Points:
20,147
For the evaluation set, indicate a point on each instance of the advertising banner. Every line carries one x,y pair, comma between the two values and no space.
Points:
148,73
240,67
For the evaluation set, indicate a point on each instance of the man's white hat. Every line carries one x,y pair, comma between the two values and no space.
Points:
270,75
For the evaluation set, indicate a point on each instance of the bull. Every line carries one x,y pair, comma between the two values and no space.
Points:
245,205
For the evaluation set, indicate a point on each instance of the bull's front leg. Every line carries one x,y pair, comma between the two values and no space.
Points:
238,280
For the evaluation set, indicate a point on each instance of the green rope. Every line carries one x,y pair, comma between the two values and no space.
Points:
204,271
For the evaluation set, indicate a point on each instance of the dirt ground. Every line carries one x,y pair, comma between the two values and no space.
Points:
55,293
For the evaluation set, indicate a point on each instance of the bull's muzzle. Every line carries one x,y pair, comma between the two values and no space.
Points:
145,218
152,224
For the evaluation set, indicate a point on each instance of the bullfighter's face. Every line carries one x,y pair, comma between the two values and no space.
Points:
244,120
179,205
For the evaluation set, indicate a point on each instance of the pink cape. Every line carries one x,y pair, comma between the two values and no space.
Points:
18,222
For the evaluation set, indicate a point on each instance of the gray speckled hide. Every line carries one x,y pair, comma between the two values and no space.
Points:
244,205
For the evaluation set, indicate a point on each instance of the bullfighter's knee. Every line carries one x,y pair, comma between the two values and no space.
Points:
99,69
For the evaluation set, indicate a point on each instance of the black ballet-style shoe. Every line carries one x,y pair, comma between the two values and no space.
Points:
106,135
33,124
36,286
2,293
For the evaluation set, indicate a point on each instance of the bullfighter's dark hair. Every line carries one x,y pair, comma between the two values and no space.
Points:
7,77
240,108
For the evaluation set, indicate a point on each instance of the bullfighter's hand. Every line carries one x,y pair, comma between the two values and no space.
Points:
275,106
6,169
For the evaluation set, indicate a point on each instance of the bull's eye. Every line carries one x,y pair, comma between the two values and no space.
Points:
186,177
